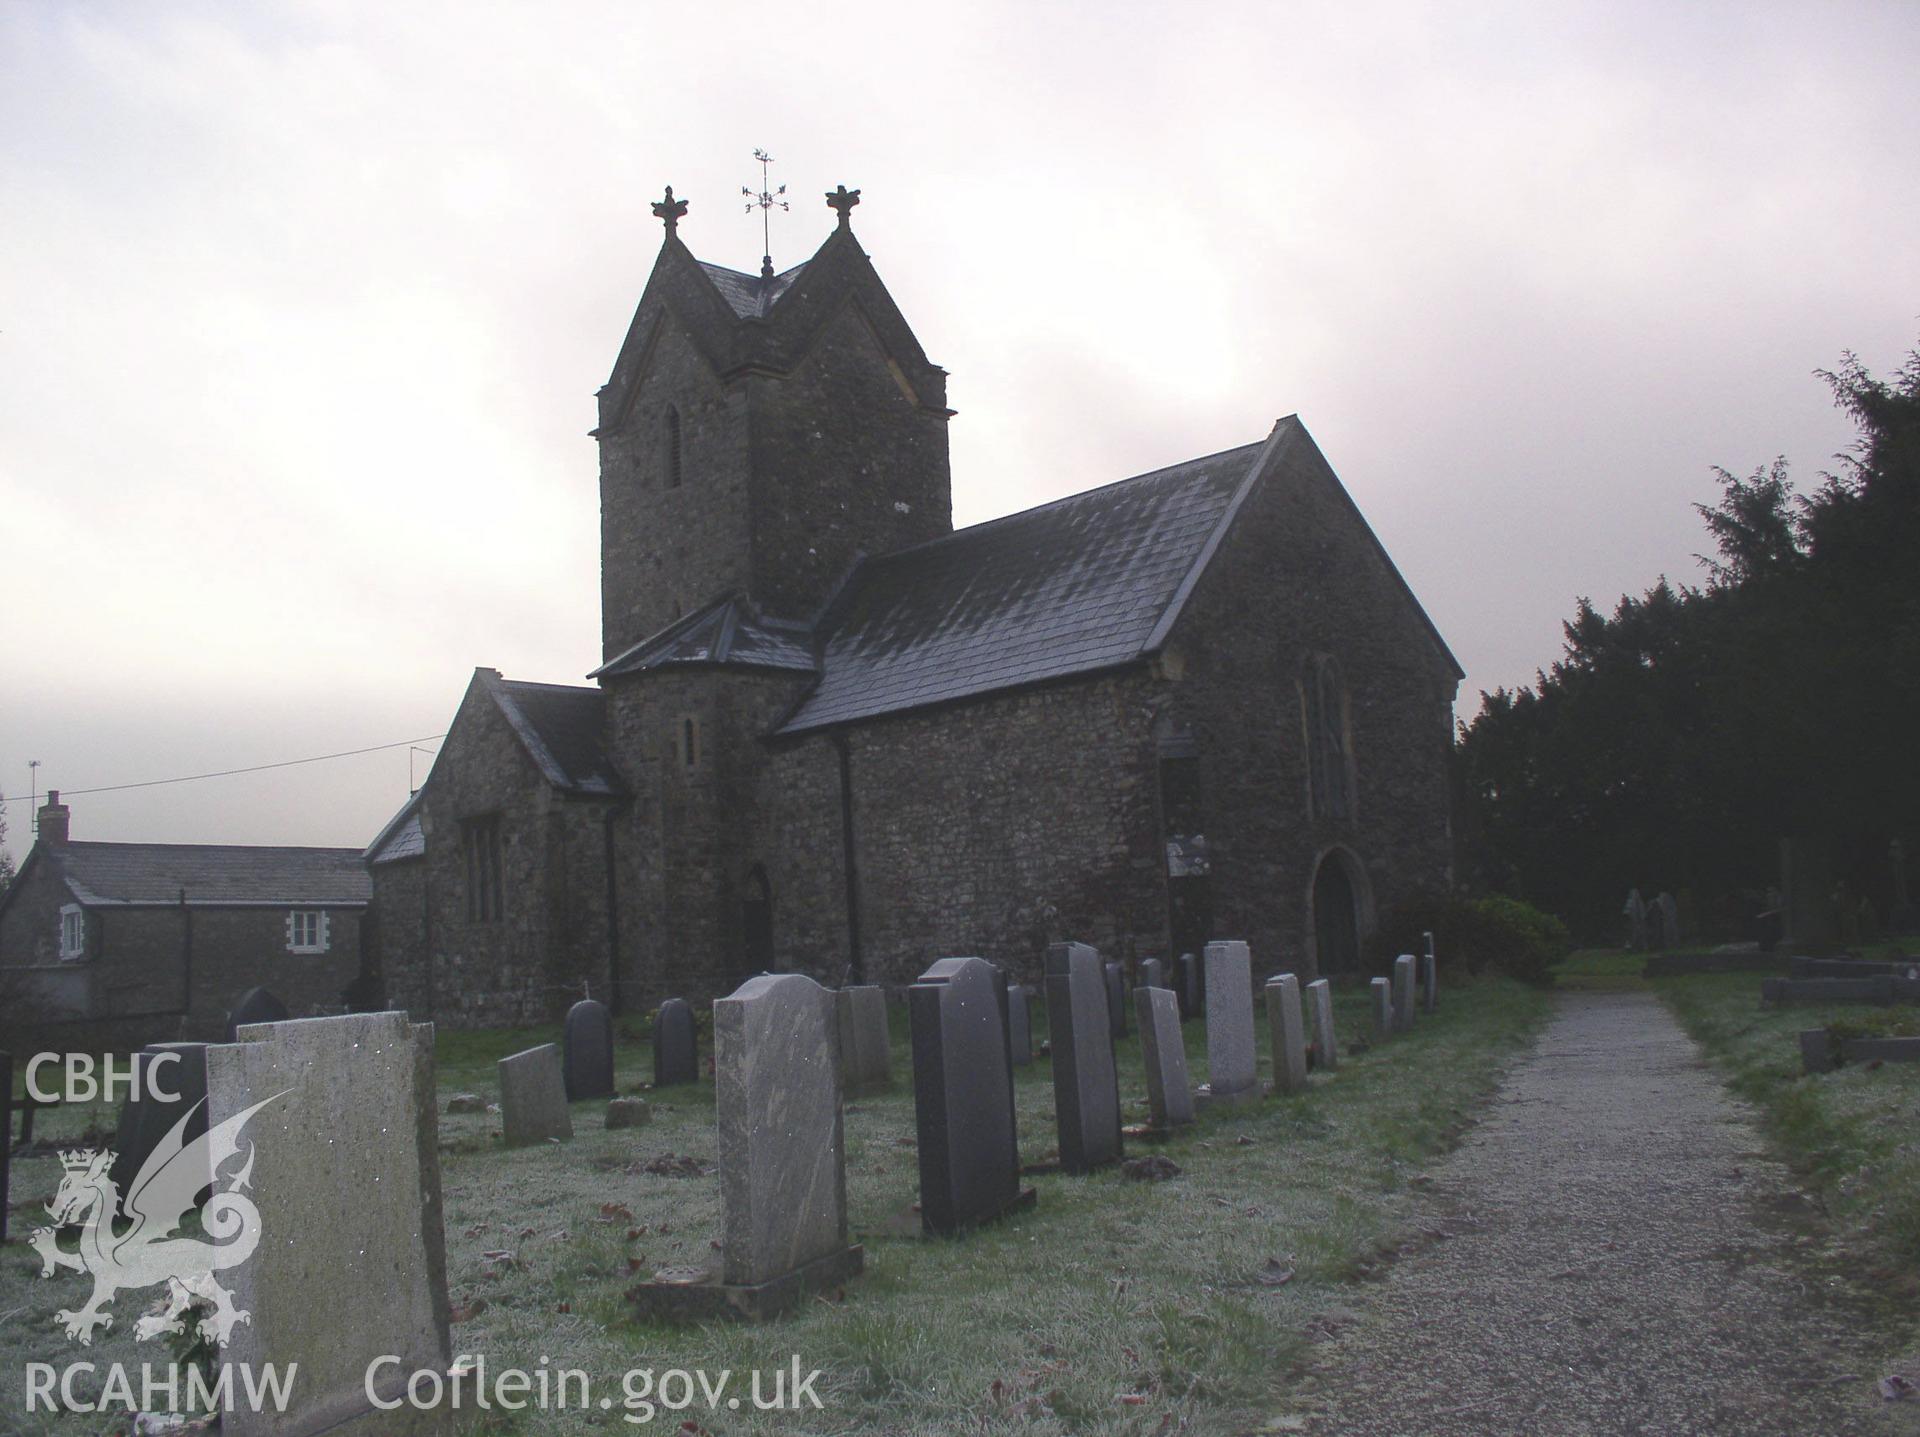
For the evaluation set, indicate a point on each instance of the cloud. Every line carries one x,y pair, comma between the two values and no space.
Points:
305,306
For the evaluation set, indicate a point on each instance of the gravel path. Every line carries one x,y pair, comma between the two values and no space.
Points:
1606,1253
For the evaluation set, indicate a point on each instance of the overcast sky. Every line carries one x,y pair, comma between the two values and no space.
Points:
303,307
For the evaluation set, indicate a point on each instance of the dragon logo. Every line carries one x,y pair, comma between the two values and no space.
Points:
147,1250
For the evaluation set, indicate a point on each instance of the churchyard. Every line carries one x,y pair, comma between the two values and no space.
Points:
1848,1132
1176,1290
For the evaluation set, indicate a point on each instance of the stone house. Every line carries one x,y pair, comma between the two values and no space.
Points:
118,944
833,734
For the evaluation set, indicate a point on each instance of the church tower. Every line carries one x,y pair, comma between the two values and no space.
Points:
760,432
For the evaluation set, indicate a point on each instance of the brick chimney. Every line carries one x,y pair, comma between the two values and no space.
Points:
53,820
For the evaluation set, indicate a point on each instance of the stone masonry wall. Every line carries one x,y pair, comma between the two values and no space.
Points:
993,828
843,461
666,551
1299,575
689,839
551,942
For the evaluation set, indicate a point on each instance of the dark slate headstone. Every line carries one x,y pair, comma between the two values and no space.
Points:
1880,1050
1828,990
676,1056
586,1046
963,1095
1116,981
1186,985
1086,1086
256,1005
1852,968
6,1137
1153,973
1429,976
181,1081
1816,1051
1019,1026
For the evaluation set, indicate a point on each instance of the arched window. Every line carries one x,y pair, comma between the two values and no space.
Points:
1329,751
671,445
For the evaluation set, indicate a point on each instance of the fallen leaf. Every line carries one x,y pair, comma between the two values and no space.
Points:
1243,1141
1274,1274
615,1212
1895,1388
467,1311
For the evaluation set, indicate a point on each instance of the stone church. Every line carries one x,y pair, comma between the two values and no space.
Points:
831,733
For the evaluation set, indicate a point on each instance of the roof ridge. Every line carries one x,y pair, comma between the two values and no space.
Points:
209,847
1075,497
544,684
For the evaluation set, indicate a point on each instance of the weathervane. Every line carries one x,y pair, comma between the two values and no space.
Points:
764,202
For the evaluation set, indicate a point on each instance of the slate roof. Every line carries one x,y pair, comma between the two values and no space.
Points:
727,632
751,296
213,875
561,728
402,838
1088,582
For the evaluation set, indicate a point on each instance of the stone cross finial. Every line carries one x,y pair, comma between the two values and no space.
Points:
669,210
843,200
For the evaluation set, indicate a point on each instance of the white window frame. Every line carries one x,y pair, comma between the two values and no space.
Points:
318,926
73,933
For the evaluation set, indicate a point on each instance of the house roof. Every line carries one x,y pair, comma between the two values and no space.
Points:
212,875
751,296
1088,582
728,632
561,728
402,838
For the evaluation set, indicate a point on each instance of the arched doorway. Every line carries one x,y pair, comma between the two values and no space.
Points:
1337,916
756,922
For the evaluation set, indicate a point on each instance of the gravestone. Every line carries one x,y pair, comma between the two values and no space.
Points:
1817,1054
1232,1056
1829,990
866,1059
1326,1051
676,1055
1403,993
1153,974
628,1112
1382,990
783,1172
783,1189
1669,910
963,1095
1116,980
533,1097
1086,1085
342,1162
256,1005
1288,1033
1186,985
1852,968
1635,911
1164,1049
1019,1025
1429,975
181,1081
587,1050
